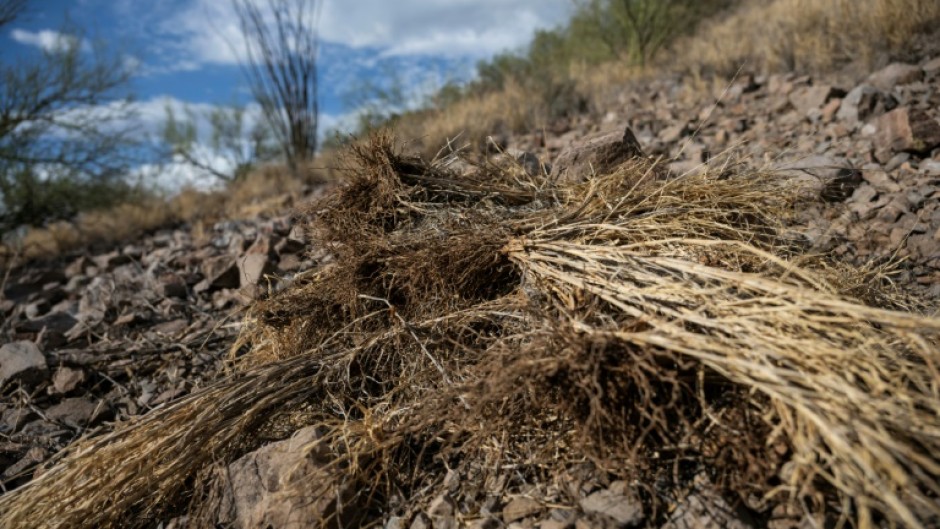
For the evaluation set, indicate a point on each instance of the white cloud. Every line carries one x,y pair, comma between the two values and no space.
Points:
209,30
46,39
477,28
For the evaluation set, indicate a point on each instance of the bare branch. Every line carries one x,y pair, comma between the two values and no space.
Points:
281,46
10,9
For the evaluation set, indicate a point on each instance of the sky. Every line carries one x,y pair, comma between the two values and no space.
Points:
183,54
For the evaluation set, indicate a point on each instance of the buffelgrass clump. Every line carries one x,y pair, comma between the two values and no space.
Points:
660,327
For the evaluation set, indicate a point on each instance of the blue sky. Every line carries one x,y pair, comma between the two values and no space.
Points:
184,55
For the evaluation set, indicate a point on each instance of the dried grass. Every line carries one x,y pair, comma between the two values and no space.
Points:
660,327
808,35
264,191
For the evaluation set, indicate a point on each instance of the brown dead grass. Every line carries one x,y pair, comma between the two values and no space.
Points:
469,121
268,190
807,35
660,327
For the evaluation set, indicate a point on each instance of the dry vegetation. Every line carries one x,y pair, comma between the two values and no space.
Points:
268,190
756,35
808,35
659,327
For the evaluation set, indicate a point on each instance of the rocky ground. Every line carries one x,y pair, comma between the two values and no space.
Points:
90,340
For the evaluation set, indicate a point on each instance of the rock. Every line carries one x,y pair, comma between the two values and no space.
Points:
599,154
905,130
57,323
37,308
554,524
253,267
77,411
830,109
673,133
895,74
171,328
21,362
421,521
289,246
863,102
619,505
33,457
94,305
932,67
808,98
11,419
80,266
65,380
441,506
520,508
704,511
832,177
220,272
171,286
930,167
112,260
286,485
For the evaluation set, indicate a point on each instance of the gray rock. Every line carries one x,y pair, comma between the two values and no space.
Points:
22,362
286,485
77,411
441,506
422,521
863,102
622,507
895,74
97,299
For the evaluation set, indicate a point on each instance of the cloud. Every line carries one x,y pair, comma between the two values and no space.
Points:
46,39
477,28
208,30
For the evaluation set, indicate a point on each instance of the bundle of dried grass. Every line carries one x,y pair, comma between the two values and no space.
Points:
661,327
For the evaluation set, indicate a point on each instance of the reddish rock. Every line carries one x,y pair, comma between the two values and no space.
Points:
830,109
905,130
807,98
66,380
